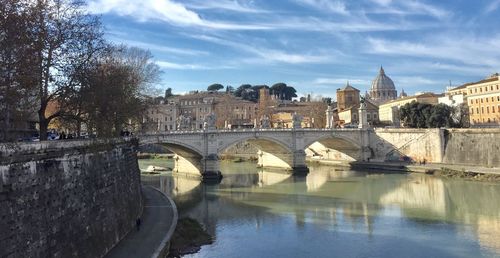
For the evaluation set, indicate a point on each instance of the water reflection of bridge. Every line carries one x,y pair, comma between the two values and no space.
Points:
330,197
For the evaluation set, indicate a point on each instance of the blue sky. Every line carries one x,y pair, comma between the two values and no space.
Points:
313,45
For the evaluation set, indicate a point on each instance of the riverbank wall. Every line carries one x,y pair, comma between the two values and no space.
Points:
475,147
67,198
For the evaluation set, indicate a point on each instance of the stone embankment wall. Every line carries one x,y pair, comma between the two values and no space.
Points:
418,144
478,147
67,198
472,147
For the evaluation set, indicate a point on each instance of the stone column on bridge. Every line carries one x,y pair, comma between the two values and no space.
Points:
330,120
363,119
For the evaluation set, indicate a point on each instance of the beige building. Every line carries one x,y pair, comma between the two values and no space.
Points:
351,115
161,118
348,101
389,112
230,111
483,98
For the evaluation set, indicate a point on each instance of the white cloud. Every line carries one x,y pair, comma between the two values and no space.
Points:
326,5
410,7
164,10
268,55
340,81
177,66
492,6
467,49
226,5
161,48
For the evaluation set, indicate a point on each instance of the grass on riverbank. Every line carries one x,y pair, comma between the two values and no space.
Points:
188,238
452,173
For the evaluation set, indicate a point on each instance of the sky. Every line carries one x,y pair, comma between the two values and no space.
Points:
315,46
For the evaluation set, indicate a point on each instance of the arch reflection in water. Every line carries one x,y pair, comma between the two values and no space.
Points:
390,214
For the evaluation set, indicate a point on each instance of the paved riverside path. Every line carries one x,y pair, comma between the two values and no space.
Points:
157,222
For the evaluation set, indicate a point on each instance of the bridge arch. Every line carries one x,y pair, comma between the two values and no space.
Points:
343,148
272,152
188,158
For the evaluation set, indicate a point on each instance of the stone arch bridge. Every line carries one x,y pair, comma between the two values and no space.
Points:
197,152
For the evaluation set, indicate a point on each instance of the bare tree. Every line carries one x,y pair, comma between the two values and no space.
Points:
16,66
111,96
65,40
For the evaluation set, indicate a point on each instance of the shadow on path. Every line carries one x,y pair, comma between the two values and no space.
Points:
158,222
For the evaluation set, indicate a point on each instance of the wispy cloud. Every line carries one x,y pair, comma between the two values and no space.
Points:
178,66
326,5
492,6
164,10
161,48
411,7
266,54
225,5
339,81
467,49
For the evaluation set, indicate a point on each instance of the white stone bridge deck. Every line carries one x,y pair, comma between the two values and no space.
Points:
197,152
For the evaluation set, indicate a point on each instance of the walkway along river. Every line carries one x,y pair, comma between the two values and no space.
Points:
329,212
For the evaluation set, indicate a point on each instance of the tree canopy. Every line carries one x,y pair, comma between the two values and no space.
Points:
215,87
283,92
421,115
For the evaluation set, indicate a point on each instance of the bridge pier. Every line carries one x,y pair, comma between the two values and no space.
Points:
206,169
294,162
211,170
299,163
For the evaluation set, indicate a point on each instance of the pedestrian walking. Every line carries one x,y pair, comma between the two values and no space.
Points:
138,224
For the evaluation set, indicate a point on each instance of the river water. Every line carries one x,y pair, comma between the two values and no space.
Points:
336,213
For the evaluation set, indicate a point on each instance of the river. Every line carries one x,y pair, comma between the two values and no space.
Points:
336,213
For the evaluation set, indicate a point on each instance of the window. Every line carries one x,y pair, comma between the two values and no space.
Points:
487,110
475,90
491,87
486,100
481,100
477,101
482,110
472,111
470,91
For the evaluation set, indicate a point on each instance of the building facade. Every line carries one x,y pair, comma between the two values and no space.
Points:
389,112
193,108
348,102
351,115
483,98
347,97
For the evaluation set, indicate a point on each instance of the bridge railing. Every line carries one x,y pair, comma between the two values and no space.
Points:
248,130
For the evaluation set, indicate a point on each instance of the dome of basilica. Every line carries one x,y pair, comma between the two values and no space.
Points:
382,82
382,89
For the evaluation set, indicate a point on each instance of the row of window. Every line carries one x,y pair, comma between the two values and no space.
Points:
474,121
482,100
491,88
483,109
